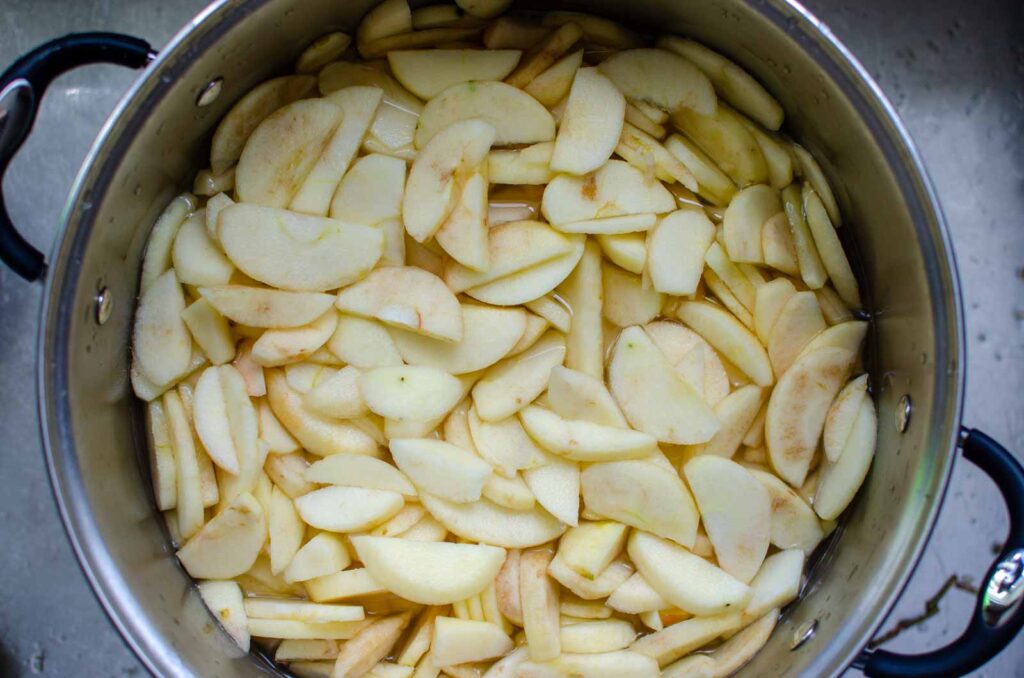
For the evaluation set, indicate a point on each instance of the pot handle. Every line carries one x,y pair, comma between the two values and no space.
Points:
999,614
21,90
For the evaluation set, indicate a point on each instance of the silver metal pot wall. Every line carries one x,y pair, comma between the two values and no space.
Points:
157,139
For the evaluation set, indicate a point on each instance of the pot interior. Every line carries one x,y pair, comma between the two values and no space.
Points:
159,138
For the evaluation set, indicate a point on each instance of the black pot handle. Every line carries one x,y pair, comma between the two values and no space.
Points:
21,89
999,613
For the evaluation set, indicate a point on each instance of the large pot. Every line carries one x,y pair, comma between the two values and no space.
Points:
157,139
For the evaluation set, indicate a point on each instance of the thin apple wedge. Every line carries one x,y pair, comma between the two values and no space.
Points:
601,586
848,336
459,641
405,297
531,283
454,152
348,509
516,117
723,136
540,605
596,29
322,555
582,440
576,395
504,444
794,524
543,54
777,582
526,166
778,245
513,383
591,547
830,249
839,481
224,600
488,523
410,392
675,251
370,645
768,303
736,512
157,258
349,585
429,573
226,546
680,639
556,487
371,191
812,270
635,596
618,664
736,413
441,469
363,343
814,174
358,470
338,395
512,247
553,85
727,335
683,579
744,219
654,399
630,223
161,344
315,613
195,256
660,78
591,124
842,415
488,335
246,115
643,151
712,183
464,233
681,346
627,301
294,344
615,189
734,653
642,495
798,321
798,407
427,73
595,637
583,292
264,307
391,17
210,330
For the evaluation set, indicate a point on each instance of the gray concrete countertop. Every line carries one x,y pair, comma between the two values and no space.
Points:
954,70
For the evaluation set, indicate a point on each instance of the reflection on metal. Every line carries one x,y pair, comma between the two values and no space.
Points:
210,93
104,305
1005,588
903,410
803,633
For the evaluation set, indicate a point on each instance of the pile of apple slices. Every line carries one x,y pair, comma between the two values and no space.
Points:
534,360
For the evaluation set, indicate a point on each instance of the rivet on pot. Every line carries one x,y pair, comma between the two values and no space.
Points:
903,410
210,93
104,305
803,633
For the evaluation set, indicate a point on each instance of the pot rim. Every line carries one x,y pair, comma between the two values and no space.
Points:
78,218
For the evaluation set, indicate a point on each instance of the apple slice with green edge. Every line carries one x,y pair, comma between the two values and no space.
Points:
660,78
348,509
441,469
406,297
226,546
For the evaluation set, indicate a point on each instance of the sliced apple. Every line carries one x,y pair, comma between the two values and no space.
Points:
582,440
322,555
318,434
512,247
485,9
675,251
262,307
516,117
739,284
553,85
639,119
371,644
830,249
777,583
441,468
615,189
833,308
712,183
848,336
635,596
161,345
736,413
390,17
511,493
683,579
338,395
601,586
157,258
464,233
357,470
211,421
744,219
654,399
543,52
458,641
248,112
794,524
226,546
812,270
642,495
363,343
626,300
596,637
591,124
224,600
728,336
842,415
196,258
488,523
776,152
797,409
285,533
314,613
583,292
280,347
660,78
731,82
680,639
556,486
577,395
427,73
736,512
723,136
504,444
778,246
351,584
406,297
527,166
513,383
626,250
592,546
210,330
798,321
812,171
531,283
840,480
189,502
488,335
618,664
371,191
539,595
348,509
409,392
596,29
771,298
646,153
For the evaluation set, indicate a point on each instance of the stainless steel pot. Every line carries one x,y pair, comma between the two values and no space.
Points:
157,139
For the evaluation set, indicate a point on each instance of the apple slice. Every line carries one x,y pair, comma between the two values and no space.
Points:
642,495
352,584
427,73
226,546
776,152
736,413
196,258
157,258
770,299
371,644
654,399
601,586
556,486
798,321
161,458
842,415
513,383
280,347
161,344
262,307
839,481
635,596
224,600
248,112
287,472
626,300
526,166
543,52
429,573
615,189
285,531
731,82
441,468
712,183
725,138
591,125
728,336
294,650
797,409
488,523
778,245
618,664
777,582
409,392
629,223
848,336
322,555
511,493
577,395
210,330
794,524
401,521
189,503
830,249
211,421
485,9
391,17
357,470
539,595
660,78
744,219
371,191
739,285
513,32
406,297
736,511
833,308
812,171
488,335
282,151
458,641
512,247
596,29
363,343
584,441
680,639
314,613
582,291
597,637
464,234
812,270
553,85
642,121
338,395
516,117
504,444
592,546
531,283
643,151
348,509
320,435
683,579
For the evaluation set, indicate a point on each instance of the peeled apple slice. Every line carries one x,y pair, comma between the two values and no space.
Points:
348,509
410,392
615,189
358,470
676,249
745,217
591,124
263,307
512,247
161,344
427,73
842,415
406,297
723,136
224,600
660,78
226,546
488,335
797,409
839,481
798,321
577,395
441,469
488,523
515,382
728,336
583,441
516,117
532,283
794,524
429,573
